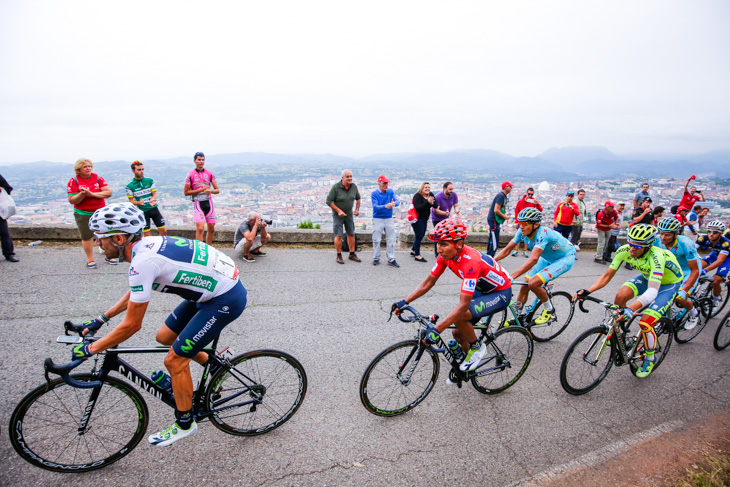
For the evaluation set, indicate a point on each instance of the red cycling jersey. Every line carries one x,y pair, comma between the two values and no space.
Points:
479,272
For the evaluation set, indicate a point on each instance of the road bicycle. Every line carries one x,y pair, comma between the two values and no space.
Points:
722,335
590,357
562,304
402,375
85,421
680,316
704,290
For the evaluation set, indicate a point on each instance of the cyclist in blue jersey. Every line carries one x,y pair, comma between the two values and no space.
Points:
684,250
552,255
720,248
205,278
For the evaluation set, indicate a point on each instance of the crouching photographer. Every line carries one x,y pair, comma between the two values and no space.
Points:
250,236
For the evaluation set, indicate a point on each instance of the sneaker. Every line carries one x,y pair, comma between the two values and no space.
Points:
545,317
353,256
248,258
716,301
646,367
514,253
339,259
598,261
393,263
376,261
692,322
111,261
473,358
258,252
525,255
172,434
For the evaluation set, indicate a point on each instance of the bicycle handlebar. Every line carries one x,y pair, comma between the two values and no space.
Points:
65,370
595,300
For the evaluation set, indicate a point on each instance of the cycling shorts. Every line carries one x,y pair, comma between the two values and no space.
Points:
153,215
198,324
664,298
722,270
551,270
487,304
204,211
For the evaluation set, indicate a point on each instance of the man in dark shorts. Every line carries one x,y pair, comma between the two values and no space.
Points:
142,193
341,197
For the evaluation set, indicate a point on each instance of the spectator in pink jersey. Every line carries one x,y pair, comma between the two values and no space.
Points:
200,185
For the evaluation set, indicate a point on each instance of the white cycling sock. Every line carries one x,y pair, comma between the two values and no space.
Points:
693,312
547,305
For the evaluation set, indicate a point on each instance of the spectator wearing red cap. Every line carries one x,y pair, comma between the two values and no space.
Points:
384,200
691,196
606,220
498,215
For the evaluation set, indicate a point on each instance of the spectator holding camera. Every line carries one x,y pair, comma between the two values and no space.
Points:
644,213
691,196
250,236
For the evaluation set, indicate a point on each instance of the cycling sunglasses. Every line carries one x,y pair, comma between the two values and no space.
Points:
199,154
637,246
714,231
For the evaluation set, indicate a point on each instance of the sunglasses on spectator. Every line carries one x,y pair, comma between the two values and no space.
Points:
530,194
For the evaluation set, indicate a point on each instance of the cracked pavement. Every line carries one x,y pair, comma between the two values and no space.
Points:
333,318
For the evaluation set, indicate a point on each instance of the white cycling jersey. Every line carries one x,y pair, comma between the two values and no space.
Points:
189,268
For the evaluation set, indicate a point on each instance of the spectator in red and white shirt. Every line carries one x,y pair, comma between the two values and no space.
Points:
692,196
606,219
86,192
527,201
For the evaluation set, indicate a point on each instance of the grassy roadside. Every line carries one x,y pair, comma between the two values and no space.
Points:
713,471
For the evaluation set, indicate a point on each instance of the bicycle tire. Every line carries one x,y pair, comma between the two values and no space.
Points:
498,320
664,333
512,345
722,335
723,300
587,361
564,307
704,307
44,425
383,393
278,378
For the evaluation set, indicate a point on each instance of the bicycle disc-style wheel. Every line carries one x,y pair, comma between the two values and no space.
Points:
275,380
681,334
506,360
587,361
392,384
564,307
722,335
44,428
665,334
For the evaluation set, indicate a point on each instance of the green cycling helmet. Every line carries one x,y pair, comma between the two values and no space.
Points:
642,234
532,215
669,224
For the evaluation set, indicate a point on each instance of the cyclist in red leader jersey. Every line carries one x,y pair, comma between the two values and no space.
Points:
486,288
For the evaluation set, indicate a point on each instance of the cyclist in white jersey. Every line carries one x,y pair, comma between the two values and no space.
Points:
205,278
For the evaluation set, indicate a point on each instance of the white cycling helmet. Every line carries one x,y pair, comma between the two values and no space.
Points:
117,218
716,225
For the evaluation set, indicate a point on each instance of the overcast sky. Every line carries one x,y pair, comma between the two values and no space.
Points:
157,79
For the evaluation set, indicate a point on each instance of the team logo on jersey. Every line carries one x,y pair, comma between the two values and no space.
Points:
201,253
195,280
556,246
434,267
136,289
133,272
149,245
495,278
469,285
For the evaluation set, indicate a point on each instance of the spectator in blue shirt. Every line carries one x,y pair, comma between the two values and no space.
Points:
384,200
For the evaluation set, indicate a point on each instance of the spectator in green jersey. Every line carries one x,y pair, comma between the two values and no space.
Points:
141,192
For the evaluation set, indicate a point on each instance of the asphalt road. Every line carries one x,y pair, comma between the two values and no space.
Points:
333,319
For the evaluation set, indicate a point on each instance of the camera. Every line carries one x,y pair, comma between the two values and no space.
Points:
268,222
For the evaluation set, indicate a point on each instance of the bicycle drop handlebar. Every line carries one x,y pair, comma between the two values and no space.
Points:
65,370
595,300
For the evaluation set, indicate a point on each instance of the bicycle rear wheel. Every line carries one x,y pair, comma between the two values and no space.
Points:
564,307
681,334
508,355
44,428
724,295
261,391
587,361
399,378
664,333
722,335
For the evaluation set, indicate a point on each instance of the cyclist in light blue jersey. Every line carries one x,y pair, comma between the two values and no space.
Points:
551,255
685,251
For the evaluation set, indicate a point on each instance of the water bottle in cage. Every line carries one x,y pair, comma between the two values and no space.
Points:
456,350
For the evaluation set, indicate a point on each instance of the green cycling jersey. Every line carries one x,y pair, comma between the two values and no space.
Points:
142,190
657,265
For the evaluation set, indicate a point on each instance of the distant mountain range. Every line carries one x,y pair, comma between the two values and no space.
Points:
555,164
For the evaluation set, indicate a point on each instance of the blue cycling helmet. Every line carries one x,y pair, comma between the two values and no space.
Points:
532,215
669,224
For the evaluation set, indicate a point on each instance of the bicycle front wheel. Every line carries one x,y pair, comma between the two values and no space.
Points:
508,354
587,361
45,428
722,335
564,307
683,335
664,334
399,378
259,392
